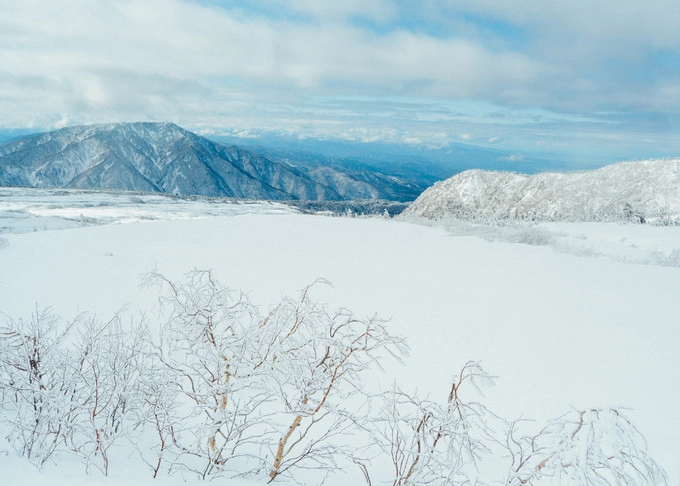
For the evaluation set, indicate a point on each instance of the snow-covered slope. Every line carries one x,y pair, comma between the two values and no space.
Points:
162,157
637,191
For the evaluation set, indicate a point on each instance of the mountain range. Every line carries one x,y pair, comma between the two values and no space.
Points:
164,158
637,191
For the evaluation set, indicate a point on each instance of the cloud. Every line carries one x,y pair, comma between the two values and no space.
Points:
128,56
172,38
518,71
512,158
379,10
647,23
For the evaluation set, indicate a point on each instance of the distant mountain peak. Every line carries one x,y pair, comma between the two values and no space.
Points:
163,157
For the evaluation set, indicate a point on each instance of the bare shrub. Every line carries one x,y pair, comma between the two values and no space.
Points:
224,389
69,386
594,447
107,376
38,403
263,394
459,441
436,443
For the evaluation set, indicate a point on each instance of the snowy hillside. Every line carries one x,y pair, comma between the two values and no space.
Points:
630,191
162,157
562,334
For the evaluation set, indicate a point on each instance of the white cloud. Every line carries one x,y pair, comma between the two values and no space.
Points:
379,10
127,56
176,39
653,23
62,122
513,158
204,65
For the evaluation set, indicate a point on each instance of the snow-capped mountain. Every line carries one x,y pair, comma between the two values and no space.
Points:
162,157
637,191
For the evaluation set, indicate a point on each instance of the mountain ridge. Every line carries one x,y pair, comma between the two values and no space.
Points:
163,157
640,191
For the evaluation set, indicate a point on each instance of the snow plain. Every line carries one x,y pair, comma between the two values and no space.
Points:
559,326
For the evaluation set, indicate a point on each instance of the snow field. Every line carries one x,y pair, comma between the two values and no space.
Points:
558,331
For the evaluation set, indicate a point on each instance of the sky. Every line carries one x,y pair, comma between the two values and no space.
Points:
591,80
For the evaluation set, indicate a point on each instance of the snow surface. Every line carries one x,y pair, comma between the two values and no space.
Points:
23,209
558,330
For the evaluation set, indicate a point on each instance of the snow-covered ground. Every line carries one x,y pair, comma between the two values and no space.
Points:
621,242
580,327
23,210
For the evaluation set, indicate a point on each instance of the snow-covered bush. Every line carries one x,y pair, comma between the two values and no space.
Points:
429,442
460,441
69,386
670,260
107,372
593,447
217,387
263,393
39,409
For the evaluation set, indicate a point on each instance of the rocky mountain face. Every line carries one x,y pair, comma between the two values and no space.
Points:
634,191
162,157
